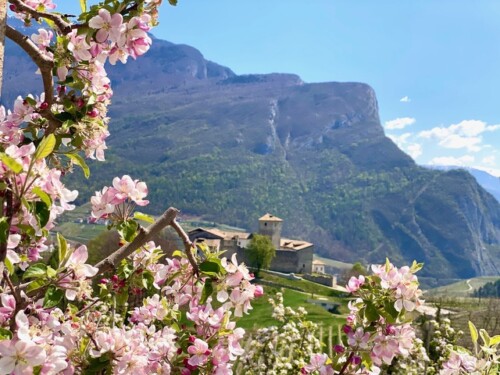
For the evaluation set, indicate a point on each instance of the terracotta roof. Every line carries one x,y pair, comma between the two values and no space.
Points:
225,235
319,262
269,217
288,244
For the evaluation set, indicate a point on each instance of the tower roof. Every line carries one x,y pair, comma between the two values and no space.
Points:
269,217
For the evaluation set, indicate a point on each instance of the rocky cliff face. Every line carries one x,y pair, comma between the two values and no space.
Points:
230,148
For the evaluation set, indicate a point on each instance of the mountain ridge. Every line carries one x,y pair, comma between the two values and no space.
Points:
231,147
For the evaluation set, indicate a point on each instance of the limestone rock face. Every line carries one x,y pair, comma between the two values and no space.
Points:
228,147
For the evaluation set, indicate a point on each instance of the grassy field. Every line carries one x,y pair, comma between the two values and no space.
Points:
303,285
80,232
460,289
483,312
261,314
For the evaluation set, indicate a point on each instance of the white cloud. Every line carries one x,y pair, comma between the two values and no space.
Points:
493,171
466,128
489,160
465,134
400,140
472,144
461,161
405,99
414,150
399,123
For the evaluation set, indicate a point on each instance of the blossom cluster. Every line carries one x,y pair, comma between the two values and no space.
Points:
125,193
113,32
284,348
37,191
375,331
173,327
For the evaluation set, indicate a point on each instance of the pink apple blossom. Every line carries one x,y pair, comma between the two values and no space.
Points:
109,26
19,356
355,283
198,352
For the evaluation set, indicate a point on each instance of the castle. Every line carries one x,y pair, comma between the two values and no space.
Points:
292,256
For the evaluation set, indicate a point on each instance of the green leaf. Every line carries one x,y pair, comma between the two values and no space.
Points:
371,312
128,230
122,297
390,313
9,266
173,2
126,269
177,253
11,163
30,100
36,270
52,297
45,147
78,160
208,289
51,272
494,340
42,212
484,335
98,365
34,285
83,5
4,229
144,217
211,267
62,247
42,195
5,334
147,280
415,267
473,332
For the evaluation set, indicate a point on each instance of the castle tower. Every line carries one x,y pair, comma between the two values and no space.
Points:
270,226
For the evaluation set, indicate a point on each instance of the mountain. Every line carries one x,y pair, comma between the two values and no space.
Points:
231,147
489,182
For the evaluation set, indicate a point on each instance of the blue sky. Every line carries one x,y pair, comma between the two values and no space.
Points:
434,64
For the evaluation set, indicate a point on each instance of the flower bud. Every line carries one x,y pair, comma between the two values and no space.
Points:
346,329
338,349
259,291
93,113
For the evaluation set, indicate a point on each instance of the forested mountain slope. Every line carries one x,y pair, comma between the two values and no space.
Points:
231,148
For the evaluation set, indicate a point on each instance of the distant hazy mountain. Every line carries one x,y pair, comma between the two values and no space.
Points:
489,182
231,148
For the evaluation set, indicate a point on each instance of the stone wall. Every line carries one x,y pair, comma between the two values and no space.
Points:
327,280
296,261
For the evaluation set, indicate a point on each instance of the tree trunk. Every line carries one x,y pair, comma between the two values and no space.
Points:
3,22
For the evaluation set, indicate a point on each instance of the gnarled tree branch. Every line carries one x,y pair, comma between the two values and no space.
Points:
45,64
63,26
145,235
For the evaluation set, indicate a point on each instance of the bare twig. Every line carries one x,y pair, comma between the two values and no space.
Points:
145,235
79,313
63,26
188,245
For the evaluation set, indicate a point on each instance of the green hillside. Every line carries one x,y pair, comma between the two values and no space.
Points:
228,148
